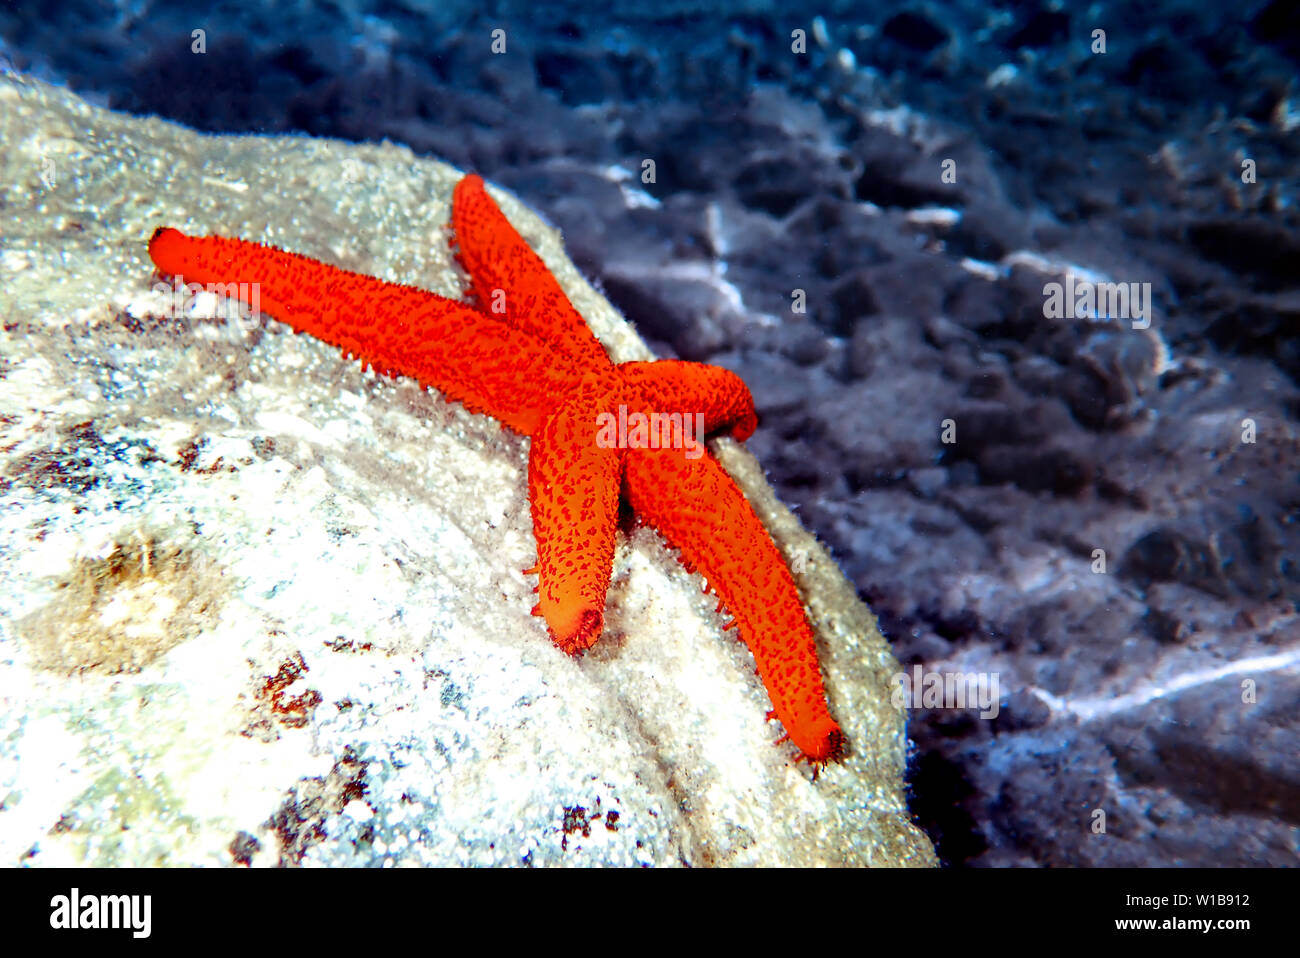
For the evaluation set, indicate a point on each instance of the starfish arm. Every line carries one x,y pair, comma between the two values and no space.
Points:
699,509
674,385
509,279
573,486
396,329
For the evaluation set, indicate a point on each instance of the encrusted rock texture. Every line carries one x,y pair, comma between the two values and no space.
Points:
263,608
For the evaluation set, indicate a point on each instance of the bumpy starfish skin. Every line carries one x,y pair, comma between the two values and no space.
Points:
398,330
573,487
502,267
522,354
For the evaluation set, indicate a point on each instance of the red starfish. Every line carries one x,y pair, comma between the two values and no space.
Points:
521,353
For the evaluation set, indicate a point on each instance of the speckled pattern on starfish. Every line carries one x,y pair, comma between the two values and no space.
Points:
519,352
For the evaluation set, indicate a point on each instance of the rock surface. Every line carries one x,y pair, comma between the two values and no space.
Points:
263,608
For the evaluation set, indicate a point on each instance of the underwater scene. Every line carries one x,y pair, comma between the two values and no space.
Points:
650,434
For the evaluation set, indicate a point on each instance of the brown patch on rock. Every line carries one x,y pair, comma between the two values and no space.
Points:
299,823
123,612
273,707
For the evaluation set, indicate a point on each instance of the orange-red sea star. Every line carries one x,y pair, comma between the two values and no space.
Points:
520,352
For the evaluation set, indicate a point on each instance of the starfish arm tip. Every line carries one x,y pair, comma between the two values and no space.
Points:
577,638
